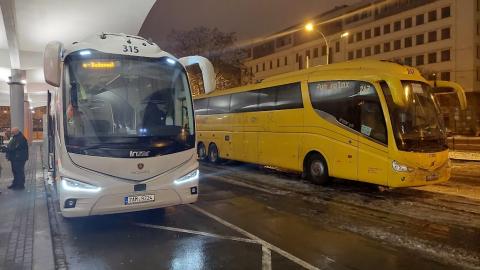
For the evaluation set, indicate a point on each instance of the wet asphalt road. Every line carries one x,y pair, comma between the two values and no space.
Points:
250,218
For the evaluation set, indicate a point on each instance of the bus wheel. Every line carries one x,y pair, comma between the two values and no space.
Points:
317,170
213,153
201,151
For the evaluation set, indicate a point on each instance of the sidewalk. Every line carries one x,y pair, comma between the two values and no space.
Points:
25,240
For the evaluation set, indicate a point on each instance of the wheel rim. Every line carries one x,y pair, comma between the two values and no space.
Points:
316,168
201,151
213,154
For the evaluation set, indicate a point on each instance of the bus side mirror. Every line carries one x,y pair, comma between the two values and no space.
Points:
208,73
52,63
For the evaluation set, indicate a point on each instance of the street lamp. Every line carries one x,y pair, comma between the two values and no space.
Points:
309,27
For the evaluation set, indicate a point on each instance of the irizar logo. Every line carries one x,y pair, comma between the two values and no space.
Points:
139,153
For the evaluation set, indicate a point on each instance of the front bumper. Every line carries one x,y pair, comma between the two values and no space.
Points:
420,177
112,200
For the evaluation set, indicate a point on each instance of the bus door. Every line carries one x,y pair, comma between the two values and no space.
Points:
332,125
373,162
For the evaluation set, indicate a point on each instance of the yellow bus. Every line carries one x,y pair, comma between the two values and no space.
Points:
371,121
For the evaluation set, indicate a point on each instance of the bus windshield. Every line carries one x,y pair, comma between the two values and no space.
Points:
115,104
417,125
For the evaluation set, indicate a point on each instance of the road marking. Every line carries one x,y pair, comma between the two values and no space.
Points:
215,176
264,243
266,258
172,229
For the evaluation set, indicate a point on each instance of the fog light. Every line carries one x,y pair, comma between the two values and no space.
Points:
70,203
193,190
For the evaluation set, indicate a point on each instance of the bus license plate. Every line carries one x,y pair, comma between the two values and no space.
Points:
433,177
139,199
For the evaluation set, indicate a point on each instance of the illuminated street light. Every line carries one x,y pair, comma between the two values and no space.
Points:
309,27
344,35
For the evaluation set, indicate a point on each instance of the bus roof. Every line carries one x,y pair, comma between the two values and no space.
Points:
365,67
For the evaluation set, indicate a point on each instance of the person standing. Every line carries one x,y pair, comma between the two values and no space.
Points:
17,154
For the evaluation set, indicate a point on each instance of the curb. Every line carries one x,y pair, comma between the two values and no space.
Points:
42,240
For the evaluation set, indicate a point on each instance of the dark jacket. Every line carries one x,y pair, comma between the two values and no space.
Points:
17,149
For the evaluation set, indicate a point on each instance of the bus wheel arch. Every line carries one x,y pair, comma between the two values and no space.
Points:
315,168
213,153
201,151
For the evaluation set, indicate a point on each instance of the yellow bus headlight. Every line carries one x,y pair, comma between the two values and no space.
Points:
398,167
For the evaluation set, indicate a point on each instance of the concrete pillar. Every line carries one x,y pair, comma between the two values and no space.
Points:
17,97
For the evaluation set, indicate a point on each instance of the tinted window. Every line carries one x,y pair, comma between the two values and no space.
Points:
354,104
372,121
244,102
289,97
219,105
200,106
266,101
337,99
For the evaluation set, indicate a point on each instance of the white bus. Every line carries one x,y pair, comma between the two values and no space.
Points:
122,129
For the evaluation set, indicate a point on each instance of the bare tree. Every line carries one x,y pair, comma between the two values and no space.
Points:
219,47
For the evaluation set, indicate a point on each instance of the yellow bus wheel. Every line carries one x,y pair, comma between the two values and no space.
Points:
213,155
317,170
201,151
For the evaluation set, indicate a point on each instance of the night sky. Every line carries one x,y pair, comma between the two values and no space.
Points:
250,19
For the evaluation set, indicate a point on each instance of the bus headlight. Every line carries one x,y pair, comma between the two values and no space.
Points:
398,167
191,176
74,185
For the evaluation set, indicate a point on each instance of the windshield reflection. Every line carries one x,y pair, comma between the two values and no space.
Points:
417,125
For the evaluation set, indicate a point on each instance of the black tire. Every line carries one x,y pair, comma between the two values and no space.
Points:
213,155
316,170
201,152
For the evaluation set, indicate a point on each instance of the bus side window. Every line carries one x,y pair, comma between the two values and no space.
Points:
372,123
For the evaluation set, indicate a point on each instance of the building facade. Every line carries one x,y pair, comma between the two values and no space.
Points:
439,37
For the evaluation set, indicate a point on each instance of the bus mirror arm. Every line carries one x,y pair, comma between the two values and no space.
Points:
52,59
398,93
208,73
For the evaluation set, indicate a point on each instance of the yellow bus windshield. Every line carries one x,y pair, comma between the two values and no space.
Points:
416,124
